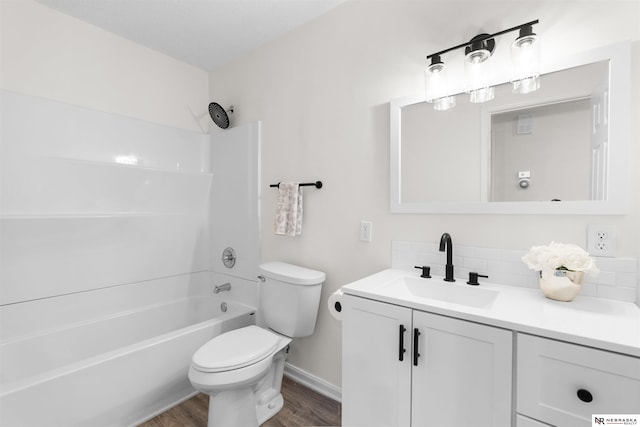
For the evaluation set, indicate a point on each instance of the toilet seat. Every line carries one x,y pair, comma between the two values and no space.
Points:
235,349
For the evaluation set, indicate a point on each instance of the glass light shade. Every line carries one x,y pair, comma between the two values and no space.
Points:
525,64
476,71
435,82
437,88
444,103
482,95
526,85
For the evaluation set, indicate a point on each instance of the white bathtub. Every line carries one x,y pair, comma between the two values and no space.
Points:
113,370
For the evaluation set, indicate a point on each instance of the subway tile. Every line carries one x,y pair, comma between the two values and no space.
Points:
490,253
513,280
475,264
627,280
617,293
589,290
627,265
500,266
464,251
603,278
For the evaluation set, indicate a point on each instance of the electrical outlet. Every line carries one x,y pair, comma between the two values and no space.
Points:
366,230
601,240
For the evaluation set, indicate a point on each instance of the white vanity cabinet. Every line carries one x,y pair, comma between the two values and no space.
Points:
405,367
425,353
564,384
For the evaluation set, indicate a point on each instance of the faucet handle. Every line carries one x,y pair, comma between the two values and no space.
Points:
473,278
426,271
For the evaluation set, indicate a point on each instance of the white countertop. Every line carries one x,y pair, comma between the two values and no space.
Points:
595,322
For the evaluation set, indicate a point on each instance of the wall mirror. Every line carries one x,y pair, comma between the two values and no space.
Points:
560,150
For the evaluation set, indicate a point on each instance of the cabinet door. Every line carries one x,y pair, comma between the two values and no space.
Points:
463,373
566,384
376,384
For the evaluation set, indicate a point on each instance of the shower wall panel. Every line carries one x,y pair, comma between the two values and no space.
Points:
90,199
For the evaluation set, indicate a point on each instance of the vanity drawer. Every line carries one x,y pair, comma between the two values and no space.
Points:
528,422
564,384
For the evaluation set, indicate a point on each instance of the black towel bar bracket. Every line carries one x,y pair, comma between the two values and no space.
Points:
317,184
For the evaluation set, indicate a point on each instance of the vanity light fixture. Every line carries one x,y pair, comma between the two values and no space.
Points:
436,85
525,59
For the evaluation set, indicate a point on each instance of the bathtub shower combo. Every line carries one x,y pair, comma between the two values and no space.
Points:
106,283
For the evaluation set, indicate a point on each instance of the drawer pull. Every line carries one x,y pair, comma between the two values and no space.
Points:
401,349
416,334
585,395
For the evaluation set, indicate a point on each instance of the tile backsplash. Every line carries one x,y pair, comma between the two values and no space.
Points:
617,280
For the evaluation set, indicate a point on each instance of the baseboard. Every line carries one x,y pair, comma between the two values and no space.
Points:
314,383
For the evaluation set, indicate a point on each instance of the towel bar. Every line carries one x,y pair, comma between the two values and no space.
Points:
317,184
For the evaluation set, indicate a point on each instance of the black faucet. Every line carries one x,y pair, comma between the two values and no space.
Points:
473,278
426,271
445,240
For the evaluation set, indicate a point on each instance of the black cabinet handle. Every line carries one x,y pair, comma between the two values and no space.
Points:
585,395
416,334
401,349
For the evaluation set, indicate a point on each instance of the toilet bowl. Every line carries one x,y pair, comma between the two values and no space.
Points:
241,370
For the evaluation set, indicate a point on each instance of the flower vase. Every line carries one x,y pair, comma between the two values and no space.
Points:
561,285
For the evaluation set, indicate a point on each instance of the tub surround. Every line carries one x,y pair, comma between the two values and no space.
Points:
96,191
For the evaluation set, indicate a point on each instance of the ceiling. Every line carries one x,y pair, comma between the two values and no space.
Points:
204,33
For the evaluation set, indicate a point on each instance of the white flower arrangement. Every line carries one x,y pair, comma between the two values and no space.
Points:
560,256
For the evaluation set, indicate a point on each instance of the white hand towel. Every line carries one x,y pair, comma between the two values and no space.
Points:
289,209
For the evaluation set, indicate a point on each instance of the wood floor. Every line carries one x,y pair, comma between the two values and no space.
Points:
302,407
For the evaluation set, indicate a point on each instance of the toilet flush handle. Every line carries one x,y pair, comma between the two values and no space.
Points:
262,278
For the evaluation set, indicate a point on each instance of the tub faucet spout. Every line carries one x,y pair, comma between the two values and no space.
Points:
220,288
445,241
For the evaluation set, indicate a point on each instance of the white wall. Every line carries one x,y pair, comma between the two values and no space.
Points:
48,54
322,94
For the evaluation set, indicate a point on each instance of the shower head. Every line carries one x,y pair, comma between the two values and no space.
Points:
219,115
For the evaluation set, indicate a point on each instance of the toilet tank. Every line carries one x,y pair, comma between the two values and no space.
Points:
290,297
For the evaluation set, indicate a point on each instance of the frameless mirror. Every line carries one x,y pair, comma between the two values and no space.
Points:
559,150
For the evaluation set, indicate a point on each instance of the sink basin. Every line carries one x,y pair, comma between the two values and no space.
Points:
437,289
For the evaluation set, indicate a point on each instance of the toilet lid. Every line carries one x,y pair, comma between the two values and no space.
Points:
235,349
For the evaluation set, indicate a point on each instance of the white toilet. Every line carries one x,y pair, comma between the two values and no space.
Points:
241,370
